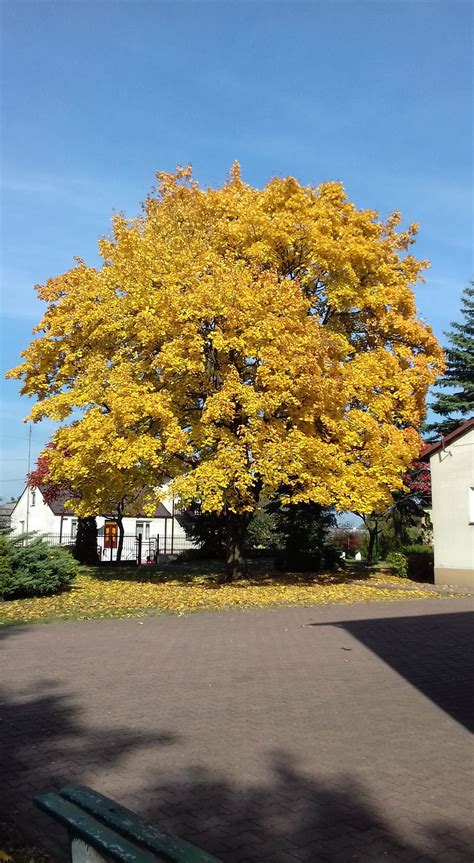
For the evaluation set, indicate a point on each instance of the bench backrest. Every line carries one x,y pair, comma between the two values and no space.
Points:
114,832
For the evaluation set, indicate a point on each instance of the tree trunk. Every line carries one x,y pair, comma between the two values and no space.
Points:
372,539
120,539
236,529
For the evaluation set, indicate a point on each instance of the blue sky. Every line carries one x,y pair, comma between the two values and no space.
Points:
99,96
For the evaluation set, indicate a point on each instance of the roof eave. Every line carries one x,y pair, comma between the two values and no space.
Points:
431,449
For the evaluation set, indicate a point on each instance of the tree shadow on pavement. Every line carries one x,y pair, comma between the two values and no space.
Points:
291,814
296,816
46,745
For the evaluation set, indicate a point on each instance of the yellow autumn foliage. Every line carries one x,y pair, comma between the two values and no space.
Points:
125,596
236,340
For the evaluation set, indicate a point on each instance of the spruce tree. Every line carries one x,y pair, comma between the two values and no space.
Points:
85,546
457,404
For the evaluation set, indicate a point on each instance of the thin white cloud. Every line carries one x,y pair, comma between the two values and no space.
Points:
99,198
33,186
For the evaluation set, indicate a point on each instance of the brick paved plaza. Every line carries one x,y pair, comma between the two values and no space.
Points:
300,734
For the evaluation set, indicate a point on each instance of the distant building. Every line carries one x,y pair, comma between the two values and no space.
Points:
452,482
6,510
162,532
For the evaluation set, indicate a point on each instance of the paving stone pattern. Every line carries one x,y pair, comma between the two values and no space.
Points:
320,735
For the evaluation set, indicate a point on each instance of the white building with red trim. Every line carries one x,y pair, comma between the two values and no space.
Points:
451,462
162,532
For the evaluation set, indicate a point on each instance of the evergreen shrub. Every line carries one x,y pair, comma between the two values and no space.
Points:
31,567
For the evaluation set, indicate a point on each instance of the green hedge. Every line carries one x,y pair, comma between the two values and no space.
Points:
420,562
31,567
413,561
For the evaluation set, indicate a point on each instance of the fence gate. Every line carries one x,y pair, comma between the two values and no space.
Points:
132,551
145,550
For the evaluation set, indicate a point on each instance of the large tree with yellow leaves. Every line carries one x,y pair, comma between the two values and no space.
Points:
238,340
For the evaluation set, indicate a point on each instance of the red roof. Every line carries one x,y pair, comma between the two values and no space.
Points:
430,449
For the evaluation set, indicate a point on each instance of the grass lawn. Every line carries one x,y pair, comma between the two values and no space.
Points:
104,592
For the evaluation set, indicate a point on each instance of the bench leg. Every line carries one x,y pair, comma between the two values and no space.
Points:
83,853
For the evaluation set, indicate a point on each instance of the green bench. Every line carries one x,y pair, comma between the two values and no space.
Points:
101,830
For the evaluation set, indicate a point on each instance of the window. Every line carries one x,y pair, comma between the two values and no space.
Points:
73,528
33,497
143,529
471,506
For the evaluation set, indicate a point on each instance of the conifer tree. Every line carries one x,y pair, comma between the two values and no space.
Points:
457,404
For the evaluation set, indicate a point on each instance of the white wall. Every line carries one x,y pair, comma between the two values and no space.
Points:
32,513
156,528
41,518
452,478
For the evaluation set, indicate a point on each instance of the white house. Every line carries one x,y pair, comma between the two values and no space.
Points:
162,532
452,484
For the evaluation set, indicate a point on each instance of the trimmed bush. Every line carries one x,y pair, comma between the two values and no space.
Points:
193,555
31,567
327,557
298,561
420,562
332,557
398,564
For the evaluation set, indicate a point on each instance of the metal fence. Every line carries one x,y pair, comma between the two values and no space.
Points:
57,539
133,550
173,544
